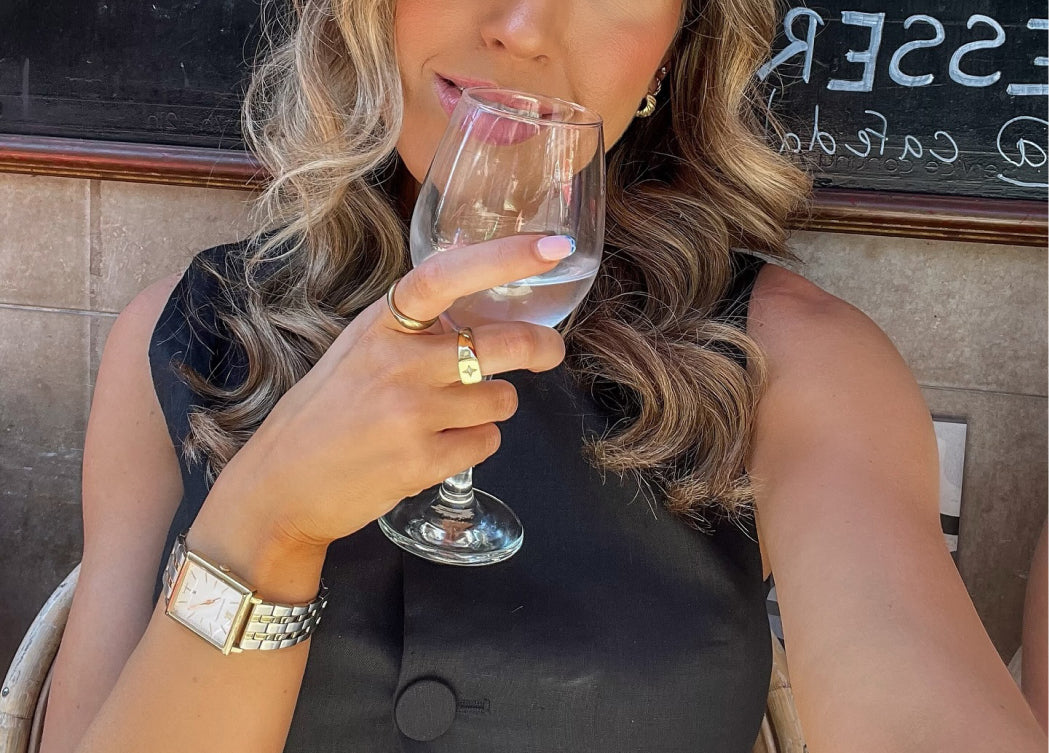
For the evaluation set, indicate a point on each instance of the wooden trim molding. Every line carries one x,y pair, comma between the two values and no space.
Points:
957,218
140,163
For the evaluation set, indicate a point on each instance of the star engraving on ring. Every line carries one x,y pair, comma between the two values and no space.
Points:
469,370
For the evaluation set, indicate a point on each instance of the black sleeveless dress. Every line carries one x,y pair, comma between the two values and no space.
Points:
615,629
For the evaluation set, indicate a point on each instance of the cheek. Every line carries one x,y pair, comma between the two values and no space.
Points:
615,64
620,88
419,27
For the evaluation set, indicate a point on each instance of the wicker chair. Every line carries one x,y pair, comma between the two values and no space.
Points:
23,699
780,728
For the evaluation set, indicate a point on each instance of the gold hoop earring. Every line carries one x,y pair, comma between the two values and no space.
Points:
649,105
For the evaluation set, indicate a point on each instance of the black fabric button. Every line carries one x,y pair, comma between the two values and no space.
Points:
425,710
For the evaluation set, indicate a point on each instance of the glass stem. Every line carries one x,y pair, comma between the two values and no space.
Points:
458,490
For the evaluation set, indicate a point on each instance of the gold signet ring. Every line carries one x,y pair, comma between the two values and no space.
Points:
469,366
406,321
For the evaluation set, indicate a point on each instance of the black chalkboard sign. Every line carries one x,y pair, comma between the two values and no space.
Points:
930,96
147,71
926,96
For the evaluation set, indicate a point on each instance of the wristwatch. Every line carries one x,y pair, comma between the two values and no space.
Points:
224,610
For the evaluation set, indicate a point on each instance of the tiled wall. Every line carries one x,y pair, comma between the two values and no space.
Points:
970,319
72,254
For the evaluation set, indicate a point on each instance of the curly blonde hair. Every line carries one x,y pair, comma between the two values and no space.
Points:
685,186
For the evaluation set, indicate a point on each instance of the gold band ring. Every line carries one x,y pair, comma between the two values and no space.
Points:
405,321
469,366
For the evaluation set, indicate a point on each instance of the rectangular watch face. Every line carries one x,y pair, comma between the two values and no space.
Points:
209,603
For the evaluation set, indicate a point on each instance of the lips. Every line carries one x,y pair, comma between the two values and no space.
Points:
508,117
450,89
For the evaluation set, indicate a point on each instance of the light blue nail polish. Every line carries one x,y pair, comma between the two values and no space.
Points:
555,247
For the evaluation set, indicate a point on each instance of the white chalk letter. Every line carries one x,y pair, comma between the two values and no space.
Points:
866,133
876,22
1033,90
825,139
898,75
790,138
955,69
911,146
796,46
954,145
1029,153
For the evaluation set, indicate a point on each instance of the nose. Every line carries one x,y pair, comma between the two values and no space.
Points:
524,28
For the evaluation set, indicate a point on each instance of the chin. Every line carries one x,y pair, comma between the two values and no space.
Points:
416,146
415,166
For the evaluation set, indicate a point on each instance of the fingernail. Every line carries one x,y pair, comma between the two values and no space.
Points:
555,247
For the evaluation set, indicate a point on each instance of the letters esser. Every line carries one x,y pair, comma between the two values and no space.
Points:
868,57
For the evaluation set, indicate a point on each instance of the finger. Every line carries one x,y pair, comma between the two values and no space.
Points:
459,449
430,288
460,406
502,347
412,325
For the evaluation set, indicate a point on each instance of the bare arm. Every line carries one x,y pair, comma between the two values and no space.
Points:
131,487
886,650
177,693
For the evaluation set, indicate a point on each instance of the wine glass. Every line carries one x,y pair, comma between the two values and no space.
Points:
509,163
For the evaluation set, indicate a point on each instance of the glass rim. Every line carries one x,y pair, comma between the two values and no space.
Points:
593,119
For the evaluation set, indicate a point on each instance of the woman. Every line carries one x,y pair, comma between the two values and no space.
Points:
318,410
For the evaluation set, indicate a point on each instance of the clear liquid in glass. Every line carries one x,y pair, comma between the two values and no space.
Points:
545,299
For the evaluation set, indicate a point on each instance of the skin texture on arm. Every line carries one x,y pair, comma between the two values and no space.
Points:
885,648
1033,659
131,488
177,693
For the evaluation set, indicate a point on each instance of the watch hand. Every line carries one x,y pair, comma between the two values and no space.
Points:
203,603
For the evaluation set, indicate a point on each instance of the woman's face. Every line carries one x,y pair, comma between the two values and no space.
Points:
602,54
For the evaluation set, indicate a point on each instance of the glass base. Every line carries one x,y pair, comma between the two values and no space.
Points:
480,534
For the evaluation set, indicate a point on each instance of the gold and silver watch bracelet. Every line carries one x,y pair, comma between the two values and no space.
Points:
269,626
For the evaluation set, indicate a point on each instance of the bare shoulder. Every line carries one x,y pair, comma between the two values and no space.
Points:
844,464
795,320
840,410
125,412
828,362
819,345
141,313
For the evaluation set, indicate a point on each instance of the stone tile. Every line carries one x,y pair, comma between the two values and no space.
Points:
44,241
41,538
1004,496
43,414
100,325
43,382
147,232
963,315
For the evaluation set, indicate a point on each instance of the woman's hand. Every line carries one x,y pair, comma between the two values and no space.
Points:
383,415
